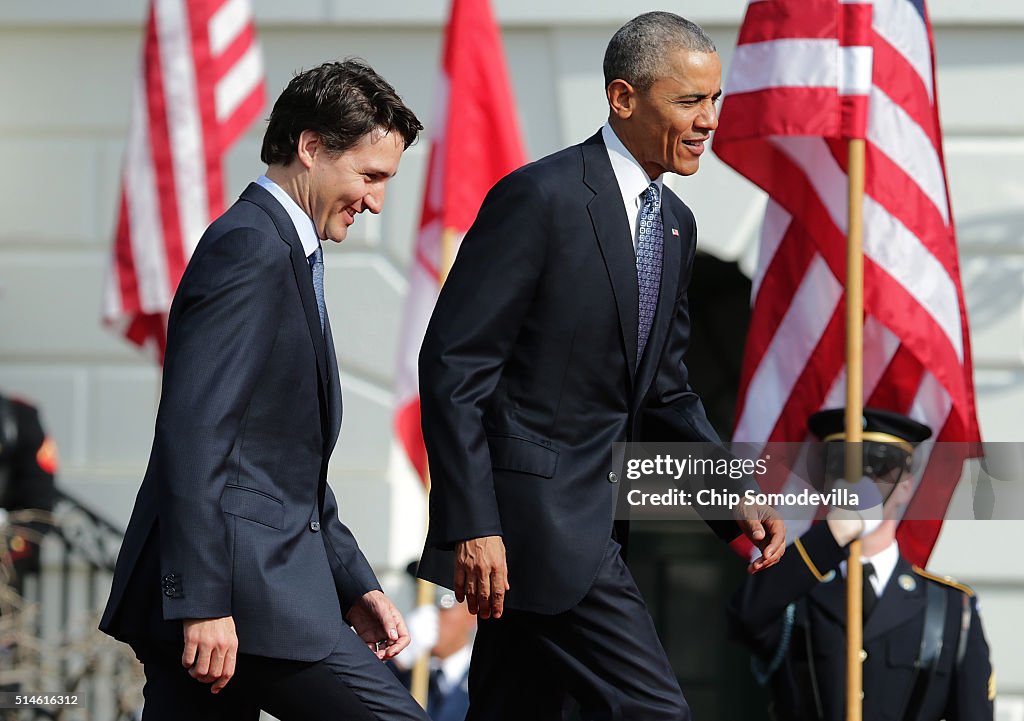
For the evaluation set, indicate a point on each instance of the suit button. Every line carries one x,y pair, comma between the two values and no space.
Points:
613,477
314,526
863,655
169,592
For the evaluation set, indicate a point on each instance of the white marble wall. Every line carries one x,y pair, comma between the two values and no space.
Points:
67,69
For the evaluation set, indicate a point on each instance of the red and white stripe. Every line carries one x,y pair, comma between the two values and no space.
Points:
201,85
808,75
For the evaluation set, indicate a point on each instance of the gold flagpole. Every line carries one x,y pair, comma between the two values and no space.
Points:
419,685
854,414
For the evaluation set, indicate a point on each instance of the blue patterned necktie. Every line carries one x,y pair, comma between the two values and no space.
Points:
650,247
316,263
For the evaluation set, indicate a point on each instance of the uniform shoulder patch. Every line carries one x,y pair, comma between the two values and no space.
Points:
944,580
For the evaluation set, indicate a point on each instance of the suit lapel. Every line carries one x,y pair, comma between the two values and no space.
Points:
303,275
831,596
900,601
615,240
895,607
304,280
333,390
670,268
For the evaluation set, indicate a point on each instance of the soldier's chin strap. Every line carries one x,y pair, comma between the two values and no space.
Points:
931,648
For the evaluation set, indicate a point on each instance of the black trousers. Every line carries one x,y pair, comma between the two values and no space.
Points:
350,684
604,653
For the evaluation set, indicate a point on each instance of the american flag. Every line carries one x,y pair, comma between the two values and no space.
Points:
474,142
806,76
200,86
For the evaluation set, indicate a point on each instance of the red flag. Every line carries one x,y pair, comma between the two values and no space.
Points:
201,84
474,143
806,76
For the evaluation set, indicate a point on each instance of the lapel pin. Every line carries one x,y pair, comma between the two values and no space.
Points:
675,232
907,582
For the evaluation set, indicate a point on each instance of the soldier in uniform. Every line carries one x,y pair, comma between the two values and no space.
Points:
925,656
28,461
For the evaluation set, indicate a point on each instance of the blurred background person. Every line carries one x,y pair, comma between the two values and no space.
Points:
445,629
28,463
925,655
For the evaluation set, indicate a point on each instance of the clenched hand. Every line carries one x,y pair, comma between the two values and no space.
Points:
211,647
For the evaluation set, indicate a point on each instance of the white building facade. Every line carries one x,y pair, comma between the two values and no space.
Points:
68,71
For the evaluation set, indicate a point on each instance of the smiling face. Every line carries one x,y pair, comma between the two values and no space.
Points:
667,126
342,185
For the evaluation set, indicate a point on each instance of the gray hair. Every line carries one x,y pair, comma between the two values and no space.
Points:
636,53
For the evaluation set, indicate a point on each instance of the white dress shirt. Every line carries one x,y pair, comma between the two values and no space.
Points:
884,563
302,222
631,177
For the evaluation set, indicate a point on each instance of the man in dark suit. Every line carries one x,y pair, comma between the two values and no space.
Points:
235,567
925,656
561,330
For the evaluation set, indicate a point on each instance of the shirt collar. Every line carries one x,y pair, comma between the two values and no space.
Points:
884,562
454,667
302,222
632,178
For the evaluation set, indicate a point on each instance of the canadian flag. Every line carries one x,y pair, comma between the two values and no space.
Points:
474,142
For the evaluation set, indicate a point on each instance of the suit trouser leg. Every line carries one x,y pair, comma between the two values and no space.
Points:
604,652
351,684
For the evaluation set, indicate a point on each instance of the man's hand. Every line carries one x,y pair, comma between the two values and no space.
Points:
481,576
379,624
211,646
766,530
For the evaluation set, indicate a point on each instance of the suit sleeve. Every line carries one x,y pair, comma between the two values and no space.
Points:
756,609
475,322
353,577
222,328
974,688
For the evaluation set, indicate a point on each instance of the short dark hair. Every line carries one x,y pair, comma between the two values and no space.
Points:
637,50
341,102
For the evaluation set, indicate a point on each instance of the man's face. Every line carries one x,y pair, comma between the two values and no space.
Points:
343,185
671,122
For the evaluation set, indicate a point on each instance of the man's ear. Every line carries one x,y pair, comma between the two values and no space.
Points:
621,98
308,146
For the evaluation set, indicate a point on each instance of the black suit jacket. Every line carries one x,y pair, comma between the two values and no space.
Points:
958,690
234,516
529,373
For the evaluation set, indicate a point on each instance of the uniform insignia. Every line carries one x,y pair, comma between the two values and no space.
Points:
907,582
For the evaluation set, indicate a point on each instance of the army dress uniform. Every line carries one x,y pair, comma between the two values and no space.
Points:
925,655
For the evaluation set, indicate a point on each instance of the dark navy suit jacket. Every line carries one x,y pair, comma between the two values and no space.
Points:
234,516
529,374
